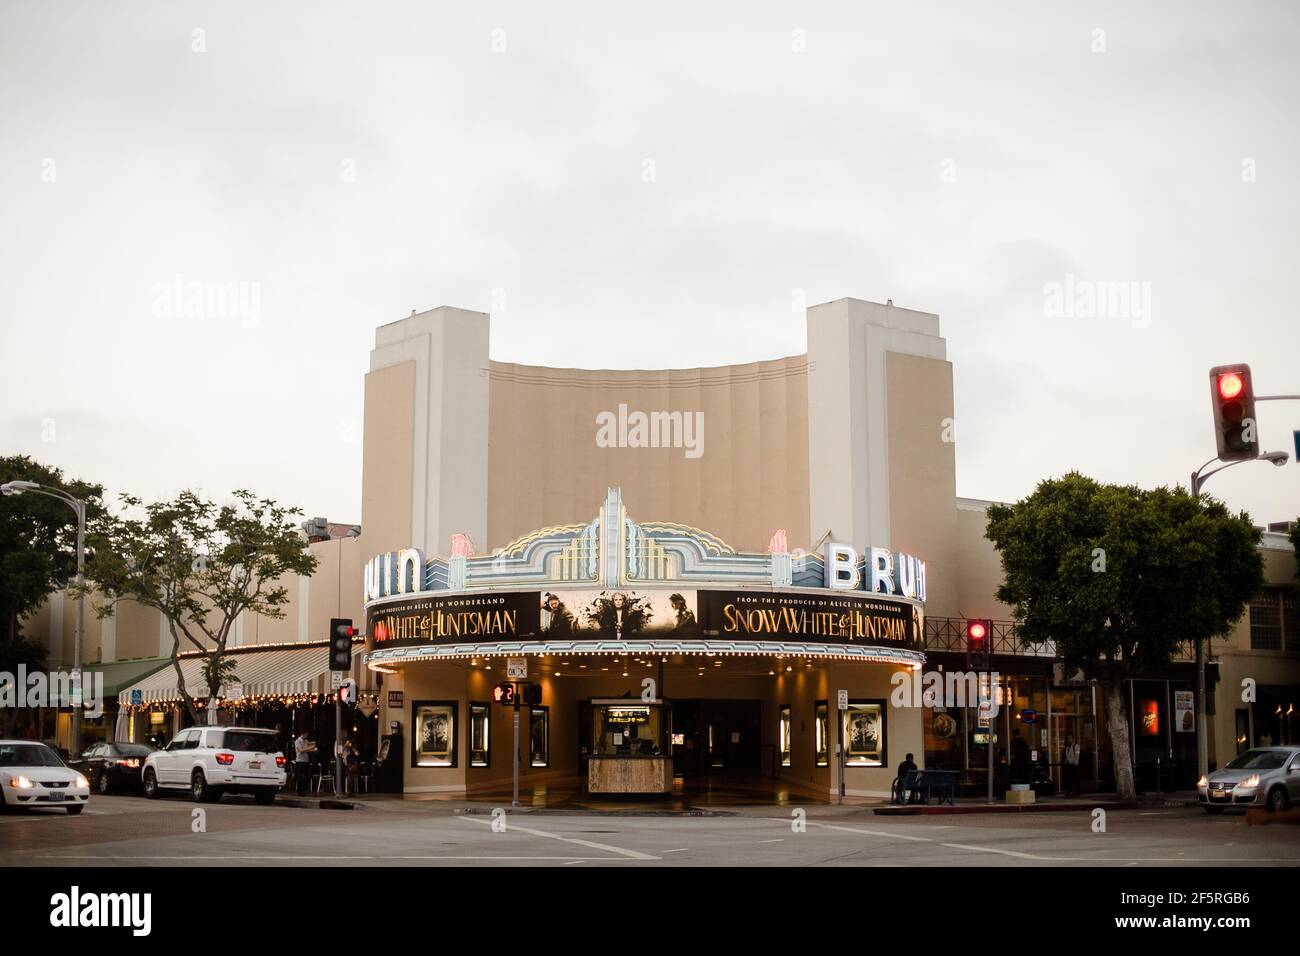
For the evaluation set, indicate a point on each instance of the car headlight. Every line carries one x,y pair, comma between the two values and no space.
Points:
1249,782
22,783
1203,782
81,781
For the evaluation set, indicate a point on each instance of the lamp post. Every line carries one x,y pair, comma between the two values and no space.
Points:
1199,477
78,505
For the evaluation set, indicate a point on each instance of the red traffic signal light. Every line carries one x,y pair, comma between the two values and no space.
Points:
1232,396
1230,385
978,634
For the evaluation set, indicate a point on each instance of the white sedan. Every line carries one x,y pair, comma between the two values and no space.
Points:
33,775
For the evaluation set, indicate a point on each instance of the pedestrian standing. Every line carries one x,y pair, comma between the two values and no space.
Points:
1070,764
303,748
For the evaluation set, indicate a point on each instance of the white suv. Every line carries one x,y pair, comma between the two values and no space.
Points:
210,761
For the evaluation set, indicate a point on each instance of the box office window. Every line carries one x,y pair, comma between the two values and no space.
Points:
539,737
480,735
433,742
785,731
822,734
864,733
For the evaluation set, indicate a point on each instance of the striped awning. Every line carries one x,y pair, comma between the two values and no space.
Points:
279,670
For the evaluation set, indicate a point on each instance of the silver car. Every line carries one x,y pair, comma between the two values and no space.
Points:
1260,777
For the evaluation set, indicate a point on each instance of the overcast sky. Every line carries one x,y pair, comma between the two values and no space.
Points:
640,185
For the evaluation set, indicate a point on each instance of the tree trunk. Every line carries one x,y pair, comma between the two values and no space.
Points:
180,678
1117,727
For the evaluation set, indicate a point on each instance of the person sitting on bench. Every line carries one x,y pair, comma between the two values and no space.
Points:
900,791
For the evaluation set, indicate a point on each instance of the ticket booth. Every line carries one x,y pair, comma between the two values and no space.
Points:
629,747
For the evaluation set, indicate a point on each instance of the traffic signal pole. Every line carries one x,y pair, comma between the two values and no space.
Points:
514,801
338,743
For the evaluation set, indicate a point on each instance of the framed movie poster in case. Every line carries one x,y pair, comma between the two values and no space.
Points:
786,734
433,739
864,730
539,737
480,735
822,732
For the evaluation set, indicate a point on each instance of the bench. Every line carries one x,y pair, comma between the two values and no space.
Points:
919,785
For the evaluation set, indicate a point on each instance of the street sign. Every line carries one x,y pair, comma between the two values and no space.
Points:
137,696
336,680
517,668
842,699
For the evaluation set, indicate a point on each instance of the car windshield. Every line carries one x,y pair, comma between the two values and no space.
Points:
28,755
1258,760
252,740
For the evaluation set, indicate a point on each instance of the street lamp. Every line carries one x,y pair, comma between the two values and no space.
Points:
78,505
1199,477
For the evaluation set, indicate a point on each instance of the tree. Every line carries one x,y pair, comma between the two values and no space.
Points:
201,565
1119,577
38,543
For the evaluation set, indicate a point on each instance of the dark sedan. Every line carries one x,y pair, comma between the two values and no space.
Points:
113,768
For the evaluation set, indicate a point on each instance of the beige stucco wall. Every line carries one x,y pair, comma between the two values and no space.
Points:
388,444
545,467
923,472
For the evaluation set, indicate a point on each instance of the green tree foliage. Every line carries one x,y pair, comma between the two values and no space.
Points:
38,538
1120,577
201,565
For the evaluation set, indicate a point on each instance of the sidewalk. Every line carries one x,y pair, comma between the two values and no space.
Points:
1084,803
715,802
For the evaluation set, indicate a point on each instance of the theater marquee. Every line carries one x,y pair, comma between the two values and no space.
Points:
639,615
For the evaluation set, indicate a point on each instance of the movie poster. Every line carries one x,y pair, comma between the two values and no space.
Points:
622,614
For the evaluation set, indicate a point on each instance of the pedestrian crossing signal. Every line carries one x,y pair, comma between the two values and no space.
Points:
504,693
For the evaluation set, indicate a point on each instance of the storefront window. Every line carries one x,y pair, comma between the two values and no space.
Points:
864,729
539,736
434,742
822,734
785,735
480,729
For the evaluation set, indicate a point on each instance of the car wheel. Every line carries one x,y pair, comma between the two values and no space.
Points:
1277,801
200,791
103,784
74,810
1213,810
265,796
150,784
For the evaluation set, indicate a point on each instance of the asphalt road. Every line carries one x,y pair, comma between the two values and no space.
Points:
124,830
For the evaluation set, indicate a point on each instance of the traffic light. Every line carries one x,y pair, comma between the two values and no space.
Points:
979,635
504,693
531,694
1232,393
341,634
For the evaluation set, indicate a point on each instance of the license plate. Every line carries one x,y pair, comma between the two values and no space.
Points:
1218,793
57,797
254,765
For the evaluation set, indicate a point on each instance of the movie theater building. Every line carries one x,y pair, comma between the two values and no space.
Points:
693,563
